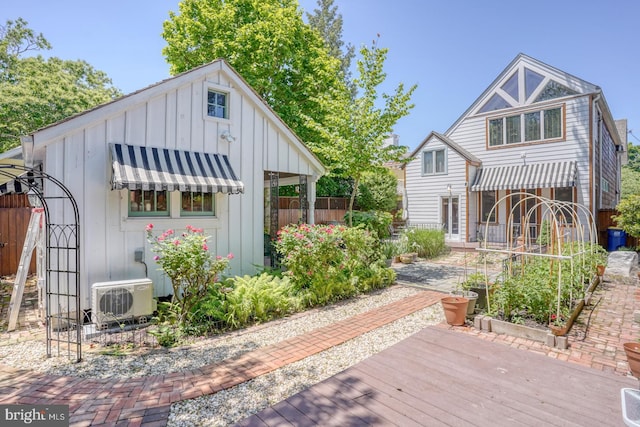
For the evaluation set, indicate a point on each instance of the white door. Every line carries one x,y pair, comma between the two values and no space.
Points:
450,217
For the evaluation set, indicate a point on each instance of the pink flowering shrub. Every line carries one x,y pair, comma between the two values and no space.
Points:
327,262
186,260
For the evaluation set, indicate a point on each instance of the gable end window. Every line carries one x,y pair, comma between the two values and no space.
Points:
217,104
531,126
434,162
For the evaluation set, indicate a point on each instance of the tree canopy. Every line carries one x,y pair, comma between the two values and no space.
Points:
328,22
268,43
359,127
36,92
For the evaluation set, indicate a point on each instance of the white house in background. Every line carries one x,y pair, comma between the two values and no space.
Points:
535,129
201,148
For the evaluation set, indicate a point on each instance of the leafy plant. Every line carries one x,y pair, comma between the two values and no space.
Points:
326,262
474,280
192,268
377,221
629,215
258,299
378,192
428,243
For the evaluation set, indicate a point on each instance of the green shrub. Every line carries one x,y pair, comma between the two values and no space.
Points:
378,192
629,215
376,221
186,260
258,299
428,243
326,263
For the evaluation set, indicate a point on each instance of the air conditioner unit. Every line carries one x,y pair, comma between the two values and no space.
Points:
122,301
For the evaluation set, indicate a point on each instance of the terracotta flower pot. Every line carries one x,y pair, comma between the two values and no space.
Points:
558,330
632,349
455,309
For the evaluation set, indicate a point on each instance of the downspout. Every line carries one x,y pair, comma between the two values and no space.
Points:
598,184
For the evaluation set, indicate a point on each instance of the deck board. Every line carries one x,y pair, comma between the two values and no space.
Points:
442,378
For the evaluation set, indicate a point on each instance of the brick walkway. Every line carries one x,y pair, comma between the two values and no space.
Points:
608,322
147,401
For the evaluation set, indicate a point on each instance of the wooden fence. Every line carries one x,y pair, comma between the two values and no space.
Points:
327,210
14,221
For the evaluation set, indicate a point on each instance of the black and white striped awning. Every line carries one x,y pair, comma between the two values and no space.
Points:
152,168
16,179
526,177
13,187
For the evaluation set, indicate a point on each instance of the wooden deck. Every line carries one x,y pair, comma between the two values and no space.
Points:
439,377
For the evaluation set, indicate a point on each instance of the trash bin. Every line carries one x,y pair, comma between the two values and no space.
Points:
616,238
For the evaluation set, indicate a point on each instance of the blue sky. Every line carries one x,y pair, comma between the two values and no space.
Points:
451,49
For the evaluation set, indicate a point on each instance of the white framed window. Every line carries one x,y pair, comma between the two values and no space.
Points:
148,203
434,162
217,104
530,126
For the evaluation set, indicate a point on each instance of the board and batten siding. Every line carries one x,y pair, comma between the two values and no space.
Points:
174,118
425,192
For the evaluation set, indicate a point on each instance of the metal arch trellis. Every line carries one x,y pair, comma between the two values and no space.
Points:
63,313
558,214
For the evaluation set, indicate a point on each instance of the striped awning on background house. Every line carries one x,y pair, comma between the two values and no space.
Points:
517,177
14,178
152,168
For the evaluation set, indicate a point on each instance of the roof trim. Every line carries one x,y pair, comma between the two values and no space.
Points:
451,144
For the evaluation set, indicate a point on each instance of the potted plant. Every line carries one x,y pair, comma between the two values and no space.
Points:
632,350
477,282
390,251
455,309
472,296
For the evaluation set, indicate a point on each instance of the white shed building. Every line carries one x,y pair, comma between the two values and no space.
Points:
198,149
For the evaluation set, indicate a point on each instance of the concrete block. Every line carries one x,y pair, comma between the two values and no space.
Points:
477,321
486,323
562,343
550,340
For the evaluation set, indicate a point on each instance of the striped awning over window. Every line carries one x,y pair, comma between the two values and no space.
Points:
517,177
152,168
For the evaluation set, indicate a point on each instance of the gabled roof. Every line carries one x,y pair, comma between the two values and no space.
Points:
451,144
523,82
49,133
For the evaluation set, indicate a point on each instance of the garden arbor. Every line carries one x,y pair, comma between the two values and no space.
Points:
563,251
63,314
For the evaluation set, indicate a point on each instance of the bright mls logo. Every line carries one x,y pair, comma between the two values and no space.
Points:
34,415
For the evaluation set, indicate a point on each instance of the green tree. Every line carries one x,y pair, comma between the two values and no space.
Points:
378,192
629,217
634,157
283,59
358,128
630,182
36,92
328,23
